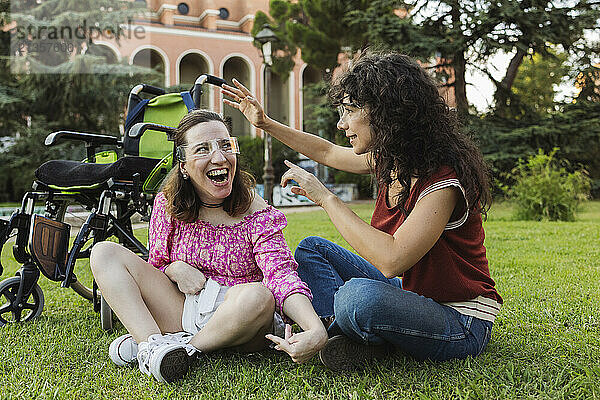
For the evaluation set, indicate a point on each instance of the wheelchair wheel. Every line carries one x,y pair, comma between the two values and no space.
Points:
10,311
105,315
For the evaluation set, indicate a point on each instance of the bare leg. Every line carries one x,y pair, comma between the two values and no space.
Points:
241,321
144,298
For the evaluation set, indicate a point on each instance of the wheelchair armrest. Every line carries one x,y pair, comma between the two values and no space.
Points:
138,129
91,139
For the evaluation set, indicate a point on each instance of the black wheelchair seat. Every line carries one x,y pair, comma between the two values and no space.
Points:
77,174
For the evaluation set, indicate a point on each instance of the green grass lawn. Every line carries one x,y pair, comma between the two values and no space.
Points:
545,343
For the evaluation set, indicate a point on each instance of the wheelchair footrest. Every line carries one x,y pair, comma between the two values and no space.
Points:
48,244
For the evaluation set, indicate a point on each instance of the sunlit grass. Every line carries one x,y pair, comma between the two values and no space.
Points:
545,343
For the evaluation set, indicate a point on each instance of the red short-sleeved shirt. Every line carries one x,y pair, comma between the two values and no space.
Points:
455,270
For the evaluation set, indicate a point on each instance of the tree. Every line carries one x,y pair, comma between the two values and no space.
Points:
58,89
449,35
466,33
537,81
308,25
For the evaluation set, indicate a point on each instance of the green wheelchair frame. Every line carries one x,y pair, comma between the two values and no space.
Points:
42,241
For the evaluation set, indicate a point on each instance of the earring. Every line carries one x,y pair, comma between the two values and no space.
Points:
185,175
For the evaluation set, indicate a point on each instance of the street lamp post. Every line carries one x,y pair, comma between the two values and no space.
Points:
266,37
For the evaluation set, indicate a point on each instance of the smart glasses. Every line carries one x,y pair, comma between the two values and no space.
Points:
194,151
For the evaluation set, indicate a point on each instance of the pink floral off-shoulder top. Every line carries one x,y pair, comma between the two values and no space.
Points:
252,250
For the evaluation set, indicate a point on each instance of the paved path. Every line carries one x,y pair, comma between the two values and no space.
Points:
77,218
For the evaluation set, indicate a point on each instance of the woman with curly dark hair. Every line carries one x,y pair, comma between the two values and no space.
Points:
421,283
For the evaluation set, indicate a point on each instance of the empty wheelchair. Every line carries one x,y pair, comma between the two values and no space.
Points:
113,190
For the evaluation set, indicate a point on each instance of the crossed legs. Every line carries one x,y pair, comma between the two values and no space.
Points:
372,309
147,302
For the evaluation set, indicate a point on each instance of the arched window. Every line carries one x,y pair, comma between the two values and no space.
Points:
310,76
237,67
191,66
103,51
150,58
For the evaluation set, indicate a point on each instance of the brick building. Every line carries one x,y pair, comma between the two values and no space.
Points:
183,39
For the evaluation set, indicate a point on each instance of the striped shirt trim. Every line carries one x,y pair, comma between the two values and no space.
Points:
480,307
442,185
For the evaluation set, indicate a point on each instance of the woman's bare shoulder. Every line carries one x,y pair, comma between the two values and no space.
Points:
258,203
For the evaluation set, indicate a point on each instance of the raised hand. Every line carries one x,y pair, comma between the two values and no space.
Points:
245,102
308,184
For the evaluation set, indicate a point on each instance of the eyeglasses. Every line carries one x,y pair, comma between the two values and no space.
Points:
343,108
194,151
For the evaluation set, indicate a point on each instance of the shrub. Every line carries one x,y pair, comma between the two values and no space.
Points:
544,189
575,129
364,183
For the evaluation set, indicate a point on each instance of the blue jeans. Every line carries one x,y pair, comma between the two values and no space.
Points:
373,309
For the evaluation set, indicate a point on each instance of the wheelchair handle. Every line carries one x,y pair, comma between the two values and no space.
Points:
215,80
137,89
197,89
89,138
153,90
138,129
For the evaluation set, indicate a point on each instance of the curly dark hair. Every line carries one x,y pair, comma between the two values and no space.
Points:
182,201
414,131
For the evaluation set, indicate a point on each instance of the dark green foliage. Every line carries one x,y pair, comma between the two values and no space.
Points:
364,183
82,93
545,190
17,166
575,129
92,103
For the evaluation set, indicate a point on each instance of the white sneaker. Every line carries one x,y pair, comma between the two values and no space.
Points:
179,337
123,350
165,357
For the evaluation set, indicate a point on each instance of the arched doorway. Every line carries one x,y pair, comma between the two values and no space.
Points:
238,68
103,51
150,58
310,98
279,103
191,66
